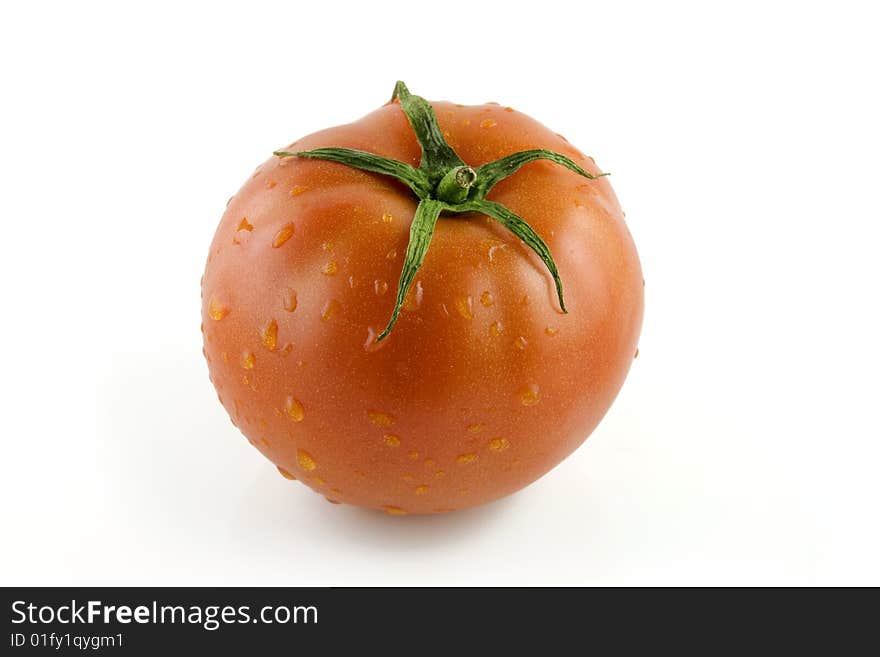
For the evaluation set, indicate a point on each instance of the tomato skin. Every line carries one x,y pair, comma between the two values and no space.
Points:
484,384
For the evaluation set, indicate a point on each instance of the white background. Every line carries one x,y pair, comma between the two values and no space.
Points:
743,141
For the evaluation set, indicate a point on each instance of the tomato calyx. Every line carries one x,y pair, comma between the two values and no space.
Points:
443,182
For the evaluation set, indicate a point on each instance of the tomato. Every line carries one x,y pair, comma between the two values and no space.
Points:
483,384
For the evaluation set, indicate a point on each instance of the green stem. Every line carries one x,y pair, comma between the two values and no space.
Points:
444,182
453,188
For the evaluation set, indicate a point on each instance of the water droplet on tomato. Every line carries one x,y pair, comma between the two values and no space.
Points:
393,510
499,444
284,234
391,440
269,335
294,409
421,490
285,473
289,300
414,297
380,286
248,360
487,299
305,460
381,419
465,307
330,308
466,458
330,268
529,395
217,310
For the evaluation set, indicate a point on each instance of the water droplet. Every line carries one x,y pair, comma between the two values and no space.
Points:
244,224
521,343
488,123
330,308
636,355
387,218
319,480
380,286
496,329
499,444
248,360
289,300
224,356
413,455
351,282
381,419
284,234
439,474
270,184
421,490
466,122
269,335
217,310
414,297
407,477
392,254
465,307
492,253
370,344
430,463
551,331
330,268
285,473
487,299
294,409
529,395
297,190
393,510
508,109
331,500
305,460
287,349
391,440
466,458
476,428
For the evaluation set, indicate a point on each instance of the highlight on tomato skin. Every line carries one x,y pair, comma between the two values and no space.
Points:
424,310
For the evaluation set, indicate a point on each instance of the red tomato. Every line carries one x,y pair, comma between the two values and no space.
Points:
483,384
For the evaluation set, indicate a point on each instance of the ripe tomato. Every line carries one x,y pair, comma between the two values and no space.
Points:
484,383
